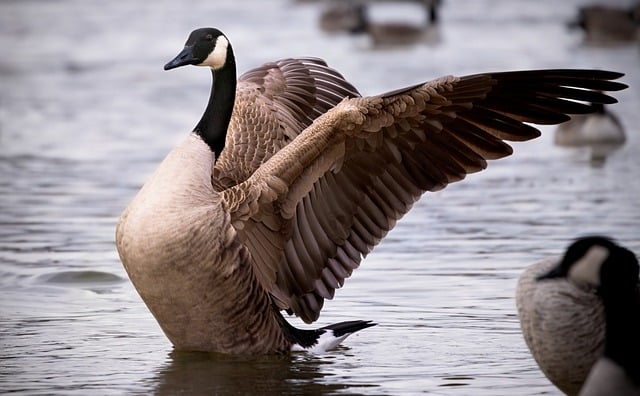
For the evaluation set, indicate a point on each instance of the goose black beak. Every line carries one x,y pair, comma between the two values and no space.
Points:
185,57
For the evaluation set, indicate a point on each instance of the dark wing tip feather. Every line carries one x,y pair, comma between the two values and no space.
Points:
582,74
579,84
547,97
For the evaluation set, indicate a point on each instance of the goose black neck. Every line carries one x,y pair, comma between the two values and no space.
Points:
433,12
622,345
215,120
362,21
597,108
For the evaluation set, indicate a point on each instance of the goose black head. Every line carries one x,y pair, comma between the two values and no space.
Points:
597,261
204,47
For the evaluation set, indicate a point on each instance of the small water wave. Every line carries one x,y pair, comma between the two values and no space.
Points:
80,278
95,281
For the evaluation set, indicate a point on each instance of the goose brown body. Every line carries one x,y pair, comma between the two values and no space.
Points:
311,177
563,325
184,258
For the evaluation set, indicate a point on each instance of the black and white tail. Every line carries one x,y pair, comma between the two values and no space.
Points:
322,339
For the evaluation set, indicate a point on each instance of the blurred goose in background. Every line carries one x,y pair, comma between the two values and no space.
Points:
580,317
397,33
605,25
291,177
601,132
338,16
353,17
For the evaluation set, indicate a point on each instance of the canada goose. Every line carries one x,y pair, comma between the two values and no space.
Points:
338,16
562,324
606,25
391,34
291,177
600,131
612,272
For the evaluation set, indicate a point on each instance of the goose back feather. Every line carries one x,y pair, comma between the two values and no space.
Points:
274,103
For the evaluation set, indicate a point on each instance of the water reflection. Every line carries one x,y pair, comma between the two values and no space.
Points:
211,373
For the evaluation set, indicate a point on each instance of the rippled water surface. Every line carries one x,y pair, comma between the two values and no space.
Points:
86,113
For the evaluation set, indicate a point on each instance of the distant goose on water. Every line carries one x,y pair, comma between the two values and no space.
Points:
580,317
604,25
291,177
338,16
397,33
601,132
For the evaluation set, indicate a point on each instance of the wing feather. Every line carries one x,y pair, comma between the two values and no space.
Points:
351,174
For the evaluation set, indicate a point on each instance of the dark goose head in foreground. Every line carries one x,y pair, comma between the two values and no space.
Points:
291,177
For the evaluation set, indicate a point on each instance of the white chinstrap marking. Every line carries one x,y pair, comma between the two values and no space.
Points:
587,269
218,57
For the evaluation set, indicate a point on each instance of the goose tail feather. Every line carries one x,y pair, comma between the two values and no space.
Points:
322,339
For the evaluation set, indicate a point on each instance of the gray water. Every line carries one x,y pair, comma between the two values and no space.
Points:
86,113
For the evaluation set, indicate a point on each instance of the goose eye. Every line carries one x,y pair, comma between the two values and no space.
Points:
209,37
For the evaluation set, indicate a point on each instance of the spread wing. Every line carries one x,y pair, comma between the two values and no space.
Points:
310,213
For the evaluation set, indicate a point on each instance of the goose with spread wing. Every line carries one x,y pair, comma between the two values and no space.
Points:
291,177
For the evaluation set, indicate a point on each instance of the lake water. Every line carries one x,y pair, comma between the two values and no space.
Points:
87,113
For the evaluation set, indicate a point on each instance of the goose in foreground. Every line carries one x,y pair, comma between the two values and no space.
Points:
338,16
609,273
601,132
562,324
291,177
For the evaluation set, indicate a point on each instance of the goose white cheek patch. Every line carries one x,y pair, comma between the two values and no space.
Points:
587,269
218,57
